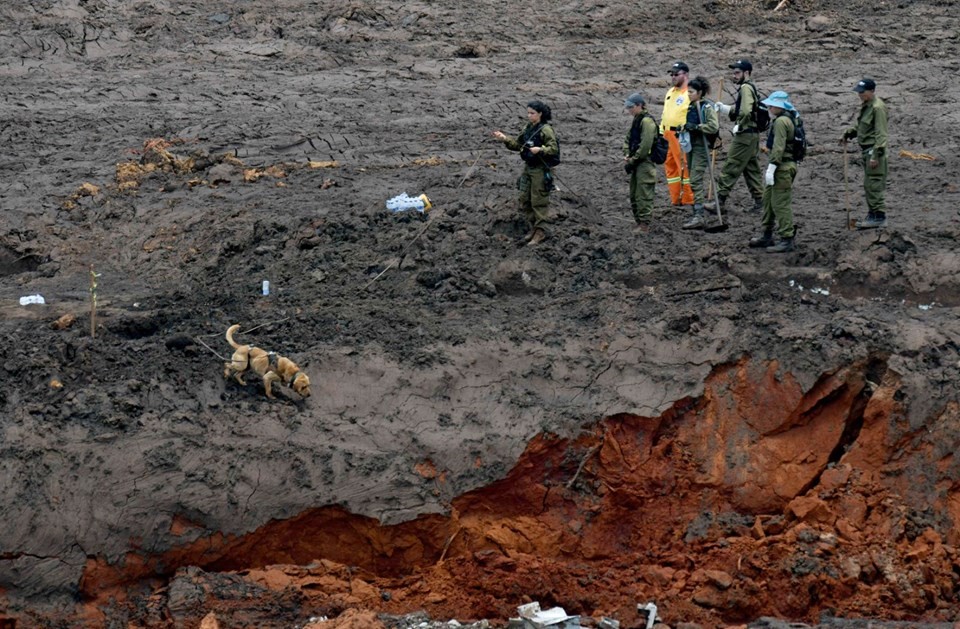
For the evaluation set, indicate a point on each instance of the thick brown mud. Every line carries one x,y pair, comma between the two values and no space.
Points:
605,419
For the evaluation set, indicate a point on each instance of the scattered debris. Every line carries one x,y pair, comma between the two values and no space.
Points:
326,164
532,617
64,322
31,299
403,203
648,611
926,157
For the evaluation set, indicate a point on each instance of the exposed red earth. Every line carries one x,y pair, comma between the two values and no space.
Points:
606,419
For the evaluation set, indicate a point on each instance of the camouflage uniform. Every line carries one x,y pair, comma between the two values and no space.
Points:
871,132
778,198
643,177
536,181
701,120
742,158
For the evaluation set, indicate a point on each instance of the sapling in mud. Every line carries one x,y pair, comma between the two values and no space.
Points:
93,303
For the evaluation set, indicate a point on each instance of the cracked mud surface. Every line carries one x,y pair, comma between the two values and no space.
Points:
126,459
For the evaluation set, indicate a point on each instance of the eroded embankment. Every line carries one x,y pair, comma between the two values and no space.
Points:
757,499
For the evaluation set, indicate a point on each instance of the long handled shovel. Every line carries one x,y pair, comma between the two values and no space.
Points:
846,183
715,226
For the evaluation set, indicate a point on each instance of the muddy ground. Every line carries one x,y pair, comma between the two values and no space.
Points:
186,151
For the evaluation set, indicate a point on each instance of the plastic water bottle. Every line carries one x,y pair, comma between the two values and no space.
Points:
266,287
403,203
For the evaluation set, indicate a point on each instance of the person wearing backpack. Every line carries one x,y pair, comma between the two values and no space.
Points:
702,125
637,146
742,157
779,176
871,132
540,151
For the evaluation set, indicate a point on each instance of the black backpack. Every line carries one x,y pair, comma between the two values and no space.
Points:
660,147
760,113
800,143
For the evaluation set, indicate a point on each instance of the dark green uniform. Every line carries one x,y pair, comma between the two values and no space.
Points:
643,178
778,198
871,132
701,119
535,182
742,158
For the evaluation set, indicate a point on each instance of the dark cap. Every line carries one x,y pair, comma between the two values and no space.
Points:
865,85
742,64
633,100
679,67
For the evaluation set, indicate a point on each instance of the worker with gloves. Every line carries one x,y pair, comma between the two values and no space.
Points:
871,132
742,157
779,176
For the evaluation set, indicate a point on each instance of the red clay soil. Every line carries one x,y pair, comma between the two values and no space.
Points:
603,420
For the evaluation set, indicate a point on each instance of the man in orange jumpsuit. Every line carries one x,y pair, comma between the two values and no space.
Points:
675,106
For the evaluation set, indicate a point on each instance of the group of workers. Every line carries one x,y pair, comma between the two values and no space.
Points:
690,124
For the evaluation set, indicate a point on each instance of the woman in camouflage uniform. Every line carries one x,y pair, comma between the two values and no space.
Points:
538,148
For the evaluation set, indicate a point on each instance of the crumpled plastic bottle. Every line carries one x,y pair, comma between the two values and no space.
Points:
404,203
32,299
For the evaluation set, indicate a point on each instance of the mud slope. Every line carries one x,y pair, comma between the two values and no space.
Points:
606,418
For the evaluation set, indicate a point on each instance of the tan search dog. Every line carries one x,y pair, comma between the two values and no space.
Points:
270,366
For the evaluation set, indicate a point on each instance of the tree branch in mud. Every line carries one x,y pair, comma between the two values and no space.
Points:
446,546
590,454
402,254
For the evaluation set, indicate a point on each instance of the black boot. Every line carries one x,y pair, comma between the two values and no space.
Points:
785,245
763,240
873,221
757,204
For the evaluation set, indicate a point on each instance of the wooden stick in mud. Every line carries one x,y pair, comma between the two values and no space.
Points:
846,183
782,4
713,152
93,303
590,454
402,254
446,546
472,166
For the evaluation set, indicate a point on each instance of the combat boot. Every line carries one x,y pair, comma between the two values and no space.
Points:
785,245
712,205
696,221
763,240
873,221
538,236
757,204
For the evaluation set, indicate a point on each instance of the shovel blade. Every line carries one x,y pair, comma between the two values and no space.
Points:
715,227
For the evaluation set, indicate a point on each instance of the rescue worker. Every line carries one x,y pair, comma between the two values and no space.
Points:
778,179
671,121
742,158
702,125
871,132
636,159
537,144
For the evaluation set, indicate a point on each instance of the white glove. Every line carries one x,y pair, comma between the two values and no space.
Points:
768,177
736,128
722,108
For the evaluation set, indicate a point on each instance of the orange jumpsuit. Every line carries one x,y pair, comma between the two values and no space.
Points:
675,106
